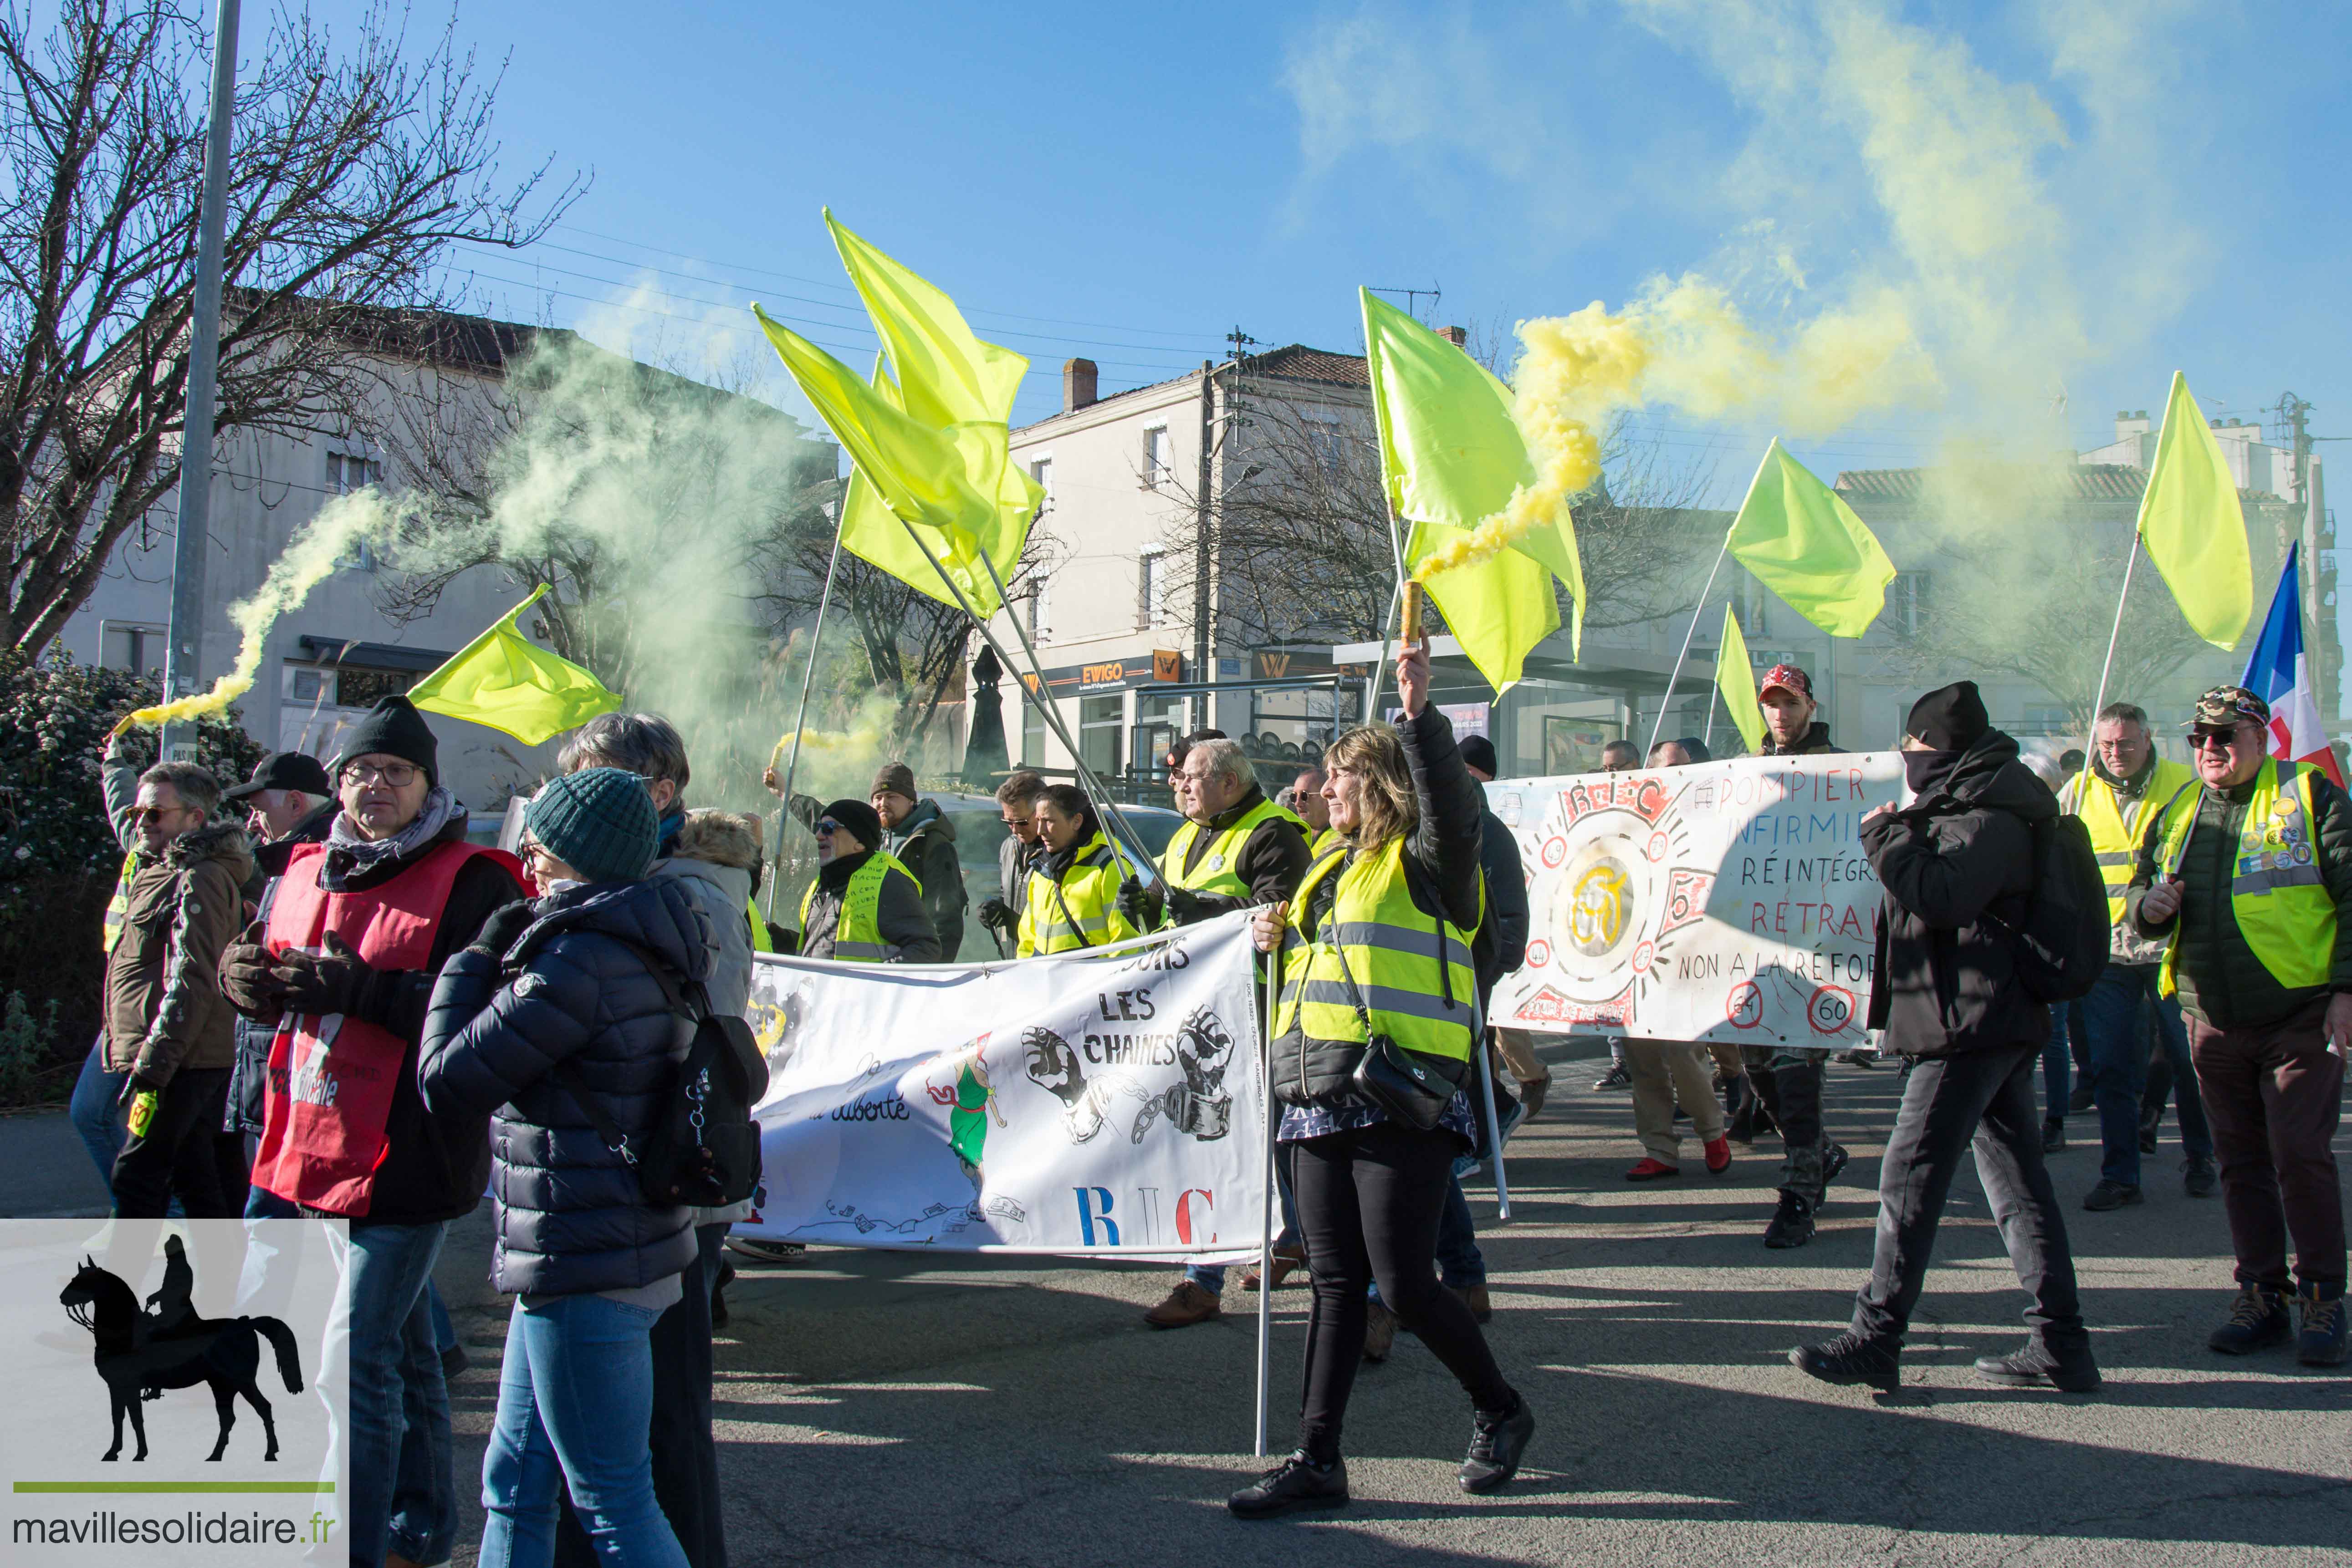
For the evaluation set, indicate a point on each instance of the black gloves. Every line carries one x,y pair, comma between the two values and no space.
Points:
1140,904
248,979
506,923
997,915
1184,907
336,980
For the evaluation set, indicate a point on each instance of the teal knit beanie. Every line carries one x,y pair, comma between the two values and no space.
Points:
599,821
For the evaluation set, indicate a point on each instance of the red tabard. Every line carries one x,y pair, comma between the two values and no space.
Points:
331,1078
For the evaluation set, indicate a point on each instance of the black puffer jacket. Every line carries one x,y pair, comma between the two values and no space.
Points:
576,986
926,845
1946,977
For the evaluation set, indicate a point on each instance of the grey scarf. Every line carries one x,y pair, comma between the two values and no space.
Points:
358,854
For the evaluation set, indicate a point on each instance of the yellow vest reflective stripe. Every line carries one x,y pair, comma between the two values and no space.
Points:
119,906
760,943
2117,844
1081,911
2276,890
1214,873
1376,935
857,934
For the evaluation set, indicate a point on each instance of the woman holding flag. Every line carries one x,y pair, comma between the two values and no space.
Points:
1376,1018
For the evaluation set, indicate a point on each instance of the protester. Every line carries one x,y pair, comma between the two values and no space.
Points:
2120,799
1072,900
922,838
2248,882
168,1030
1306,800
288,802
557,1002
1958,869
1016,805
865,905
95,1106
1788,1079
1620,757
1235,849
345,964
714,857
1370,1185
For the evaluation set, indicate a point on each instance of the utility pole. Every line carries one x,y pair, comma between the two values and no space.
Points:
1207,511
185,635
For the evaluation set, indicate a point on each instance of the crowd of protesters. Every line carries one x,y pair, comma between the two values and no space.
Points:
538,1009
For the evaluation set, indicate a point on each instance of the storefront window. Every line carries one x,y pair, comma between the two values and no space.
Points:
1100,720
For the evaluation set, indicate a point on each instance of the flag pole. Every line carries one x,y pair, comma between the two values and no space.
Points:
1265,1204
1660,723
2130,562
1494,1125
800,722
1396,553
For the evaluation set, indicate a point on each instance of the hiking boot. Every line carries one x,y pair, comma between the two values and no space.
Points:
1497,1442
1718,1156
1285,1264
1833,1159
2321,1343
1185,1304
2053,1135
1739,1126
2198,1177
2110,1194
1615,1078
2036,1367
1850,1359
1298,1482
1380,1331
1653,1170
2258,1320
1792,1223
1475,1297
1531,1095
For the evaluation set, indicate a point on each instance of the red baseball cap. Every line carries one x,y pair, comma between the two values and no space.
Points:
1788,678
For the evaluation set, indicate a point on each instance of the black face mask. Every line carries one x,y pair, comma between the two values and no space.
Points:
1927,771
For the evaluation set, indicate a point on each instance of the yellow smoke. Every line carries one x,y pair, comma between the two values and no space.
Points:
840,761
329,537
1683,344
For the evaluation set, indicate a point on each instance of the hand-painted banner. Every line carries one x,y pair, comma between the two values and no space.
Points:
1725,900
1106,1103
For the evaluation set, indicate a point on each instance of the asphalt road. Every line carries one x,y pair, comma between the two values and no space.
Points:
903,1411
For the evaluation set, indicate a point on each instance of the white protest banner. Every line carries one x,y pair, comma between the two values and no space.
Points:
1107,1103
1725,900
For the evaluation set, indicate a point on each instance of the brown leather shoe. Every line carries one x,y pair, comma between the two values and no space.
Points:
1186,1305
1531,1095
1285,1264
1476,1299
1379,1330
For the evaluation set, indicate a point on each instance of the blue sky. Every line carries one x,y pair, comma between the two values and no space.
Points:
1132,182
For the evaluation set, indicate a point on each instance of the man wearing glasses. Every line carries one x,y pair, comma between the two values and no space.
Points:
2247,881
1016,806
357,933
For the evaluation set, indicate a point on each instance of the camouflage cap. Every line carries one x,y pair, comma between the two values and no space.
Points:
2222,707
1788,678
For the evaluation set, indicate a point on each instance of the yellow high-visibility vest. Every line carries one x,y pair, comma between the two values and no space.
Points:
2118,843
1411,971
1079,911
1216,871
2276,890
857,934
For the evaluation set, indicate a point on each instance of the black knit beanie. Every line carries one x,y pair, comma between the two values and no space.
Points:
392,728
1951,718
860,818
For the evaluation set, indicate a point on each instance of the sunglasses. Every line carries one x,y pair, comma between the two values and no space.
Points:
826,826
2212,739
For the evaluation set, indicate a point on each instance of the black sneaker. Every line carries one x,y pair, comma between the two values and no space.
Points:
1833,1158
765,1251
1497,1442
1852,1359
2053,1135
2080,1100
2036,1367
1298,1482
1792,1223
2258,1320
2198,1177
2110,1194
2322,1340
1615,1078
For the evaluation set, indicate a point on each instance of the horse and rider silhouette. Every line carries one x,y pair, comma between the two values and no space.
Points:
142,1353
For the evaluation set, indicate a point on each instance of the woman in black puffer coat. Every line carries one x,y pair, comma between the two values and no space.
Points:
564,997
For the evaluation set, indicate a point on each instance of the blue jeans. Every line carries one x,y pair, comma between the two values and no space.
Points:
95,1113
2057,1069
2119,1067
1460,1265
575,1404
1210,1277
403,1482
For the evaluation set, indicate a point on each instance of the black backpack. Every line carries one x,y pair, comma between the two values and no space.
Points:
2062,942
703,1150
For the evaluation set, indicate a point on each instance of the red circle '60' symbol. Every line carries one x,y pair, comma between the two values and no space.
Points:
1832,1010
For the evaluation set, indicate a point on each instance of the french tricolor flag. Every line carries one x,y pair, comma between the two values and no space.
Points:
2278,675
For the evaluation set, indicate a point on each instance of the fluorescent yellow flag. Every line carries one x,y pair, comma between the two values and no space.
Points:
504,680
1799,536
870,531
1735,679
920,474
945,373
1498,609
1452,456
2193,526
